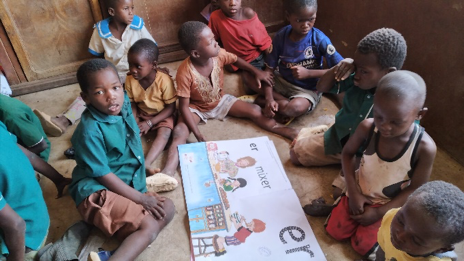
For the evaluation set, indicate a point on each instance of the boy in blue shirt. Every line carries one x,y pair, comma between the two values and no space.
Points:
296,57
109,185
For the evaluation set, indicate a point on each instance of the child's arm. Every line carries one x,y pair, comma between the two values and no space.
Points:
47,170
13,228
421,174
339,72
264,76
151,203
134,111
356,199
187,115
300,73
38,148
163,114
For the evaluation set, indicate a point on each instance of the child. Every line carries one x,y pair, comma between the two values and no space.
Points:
232,184
113,36
152,96
244,230
22,122
200,90
24,219
108,185
397,159
241,33
378,53
298,52
227,166
111,39
426,227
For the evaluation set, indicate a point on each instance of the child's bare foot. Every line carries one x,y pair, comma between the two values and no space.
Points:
150,172
161,182
62,122
61,185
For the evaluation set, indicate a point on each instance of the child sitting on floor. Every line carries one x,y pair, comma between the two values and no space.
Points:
153,99
111,39
242,33
378,53
298,52
21,121
24,219
200,81
426,227
109,186
397,159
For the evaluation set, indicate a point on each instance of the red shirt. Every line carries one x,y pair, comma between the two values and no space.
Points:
245,38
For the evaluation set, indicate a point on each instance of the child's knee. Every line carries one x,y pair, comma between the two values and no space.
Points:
169,209
181,131
294,158
164,133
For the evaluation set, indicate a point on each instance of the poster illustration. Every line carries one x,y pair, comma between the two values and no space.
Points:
241,205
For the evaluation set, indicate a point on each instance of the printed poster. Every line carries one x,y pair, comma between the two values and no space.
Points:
241,205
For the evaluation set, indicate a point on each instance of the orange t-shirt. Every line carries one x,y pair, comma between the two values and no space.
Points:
204,93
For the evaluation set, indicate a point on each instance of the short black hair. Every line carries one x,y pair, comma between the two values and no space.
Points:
389,46
90,67
293,6
444,202
111,3
189,35
147,48
405,85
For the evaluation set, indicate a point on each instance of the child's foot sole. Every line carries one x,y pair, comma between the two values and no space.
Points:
161,182
48,125
318,208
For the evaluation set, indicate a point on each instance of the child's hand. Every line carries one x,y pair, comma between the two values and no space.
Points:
200,138
344,69
154,204
357,202
369,217
299,72
144,128
265,76
270,108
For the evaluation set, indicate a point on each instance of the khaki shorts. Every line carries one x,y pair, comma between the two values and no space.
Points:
291,91
310,152
112,213
219,112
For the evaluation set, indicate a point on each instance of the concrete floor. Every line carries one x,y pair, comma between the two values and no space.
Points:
173,242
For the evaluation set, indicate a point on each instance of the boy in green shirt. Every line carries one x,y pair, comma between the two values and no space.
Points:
378,53
109,185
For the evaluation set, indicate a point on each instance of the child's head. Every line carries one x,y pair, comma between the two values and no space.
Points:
256,225
121,11
230,7
301,14
100,86
246,162
378,53
398,102
143,58
238,183
431,221
198,40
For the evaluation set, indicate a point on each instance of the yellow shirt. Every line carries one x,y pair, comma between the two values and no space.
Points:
391,253
155,97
